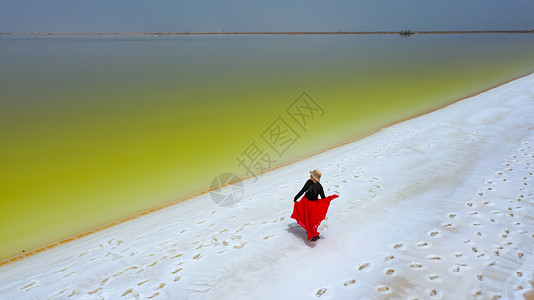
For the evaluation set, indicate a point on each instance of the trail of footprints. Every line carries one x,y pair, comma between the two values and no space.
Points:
482,211
170,256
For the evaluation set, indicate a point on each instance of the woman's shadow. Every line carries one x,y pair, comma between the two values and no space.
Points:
300,232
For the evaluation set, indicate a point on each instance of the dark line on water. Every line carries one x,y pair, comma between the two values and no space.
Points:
404,33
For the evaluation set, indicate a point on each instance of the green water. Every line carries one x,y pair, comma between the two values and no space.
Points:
96,129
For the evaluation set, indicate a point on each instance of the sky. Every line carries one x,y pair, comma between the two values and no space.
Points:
24,16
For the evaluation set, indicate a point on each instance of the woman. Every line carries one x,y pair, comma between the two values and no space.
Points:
310,211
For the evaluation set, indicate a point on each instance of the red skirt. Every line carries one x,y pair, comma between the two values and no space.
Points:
310,213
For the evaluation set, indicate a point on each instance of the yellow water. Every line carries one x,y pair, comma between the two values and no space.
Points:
93,130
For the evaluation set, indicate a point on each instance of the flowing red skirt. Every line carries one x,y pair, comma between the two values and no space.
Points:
309,214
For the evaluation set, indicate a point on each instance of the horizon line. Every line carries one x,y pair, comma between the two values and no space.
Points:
222,33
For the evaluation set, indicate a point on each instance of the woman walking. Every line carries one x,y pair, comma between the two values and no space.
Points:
310,211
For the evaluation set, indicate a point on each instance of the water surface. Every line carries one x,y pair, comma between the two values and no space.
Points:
96,129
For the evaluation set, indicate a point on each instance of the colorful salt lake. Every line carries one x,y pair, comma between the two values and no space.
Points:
96,129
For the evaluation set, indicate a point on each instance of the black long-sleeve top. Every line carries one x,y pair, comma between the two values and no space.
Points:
312,191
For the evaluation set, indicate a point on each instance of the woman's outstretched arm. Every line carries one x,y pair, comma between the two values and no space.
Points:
304,188
321,191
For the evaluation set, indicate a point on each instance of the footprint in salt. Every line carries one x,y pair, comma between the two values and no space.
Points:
433,277
114,256
30,286
434,294
142,282
434,258
390,272
104,281
448,226
399,246
62,270
423,245
74,292
321,292
240,245
201,222
350,282
416,266
177,255
383,289
94,291
127,292
366,267
476,250
458,267
153,295
124,271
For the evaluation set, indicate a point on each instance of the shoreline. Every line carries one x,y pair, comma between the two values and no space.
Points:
241,33
52,245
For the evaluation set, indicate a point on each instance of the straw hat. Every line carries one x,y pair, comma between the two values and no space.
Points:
316,174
